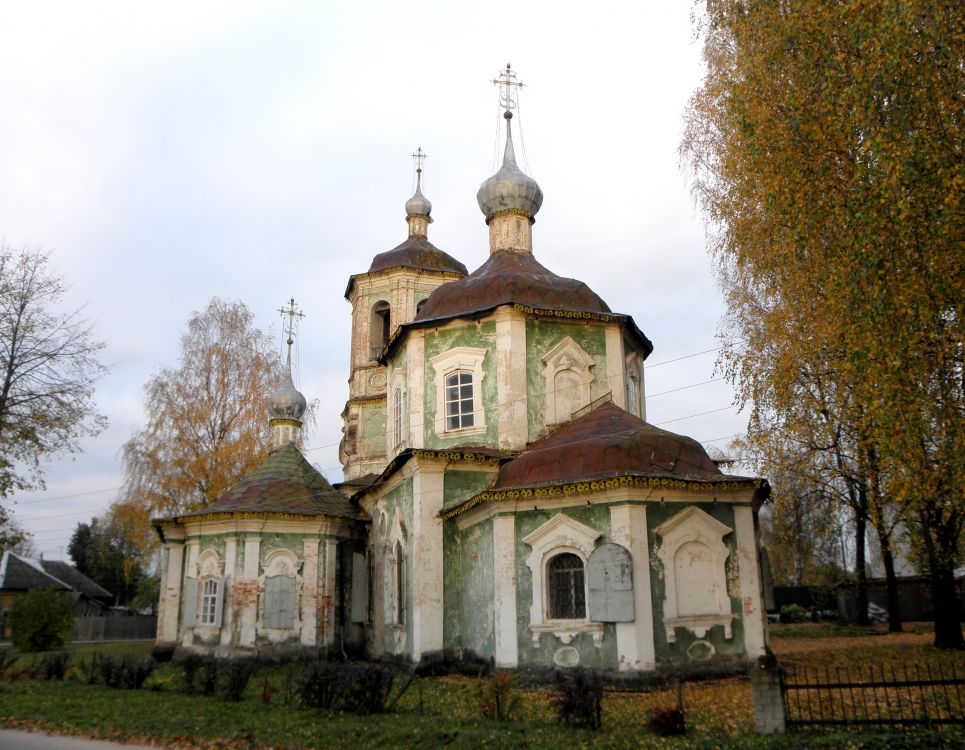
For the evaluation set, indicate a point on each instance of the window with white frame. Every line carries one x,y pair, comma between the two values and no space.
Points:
459,397
459,401
567,587
209,602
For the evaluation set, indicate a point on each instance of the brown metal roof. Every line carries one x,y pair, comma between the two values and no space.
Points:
605,442
509,278
284,483
418,253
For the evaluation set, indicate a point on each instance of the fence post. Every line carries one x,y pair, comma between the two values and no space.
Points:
769,715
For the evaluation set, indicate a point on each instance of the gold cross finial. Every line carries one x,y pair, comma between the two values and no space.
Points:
508,87
293,314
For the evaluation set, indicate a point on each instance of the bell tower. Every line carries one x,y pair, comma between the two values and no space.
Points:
389,294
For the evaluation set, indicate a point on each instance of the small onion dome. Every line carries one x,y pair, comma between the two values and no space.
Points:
286,402
418,204
510,188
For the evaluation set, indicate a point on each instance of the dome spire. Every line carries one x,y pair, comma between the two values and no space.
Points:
286,405
510,199
418,207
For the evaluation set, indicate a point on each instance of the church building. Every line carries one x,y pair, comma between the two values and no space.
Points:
503,494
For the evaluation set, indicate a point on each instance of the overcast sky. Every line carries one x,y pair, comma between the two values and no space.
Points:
169,153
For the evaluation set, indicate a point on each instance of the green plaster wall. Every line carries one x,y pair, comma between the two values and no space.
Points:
603,656
541,336
476,335
372,429
461,485
397,503
468,589
676,653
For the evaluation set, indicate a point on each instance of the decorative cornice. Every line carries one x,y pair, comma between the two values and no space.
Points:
510,212
599,485
569,314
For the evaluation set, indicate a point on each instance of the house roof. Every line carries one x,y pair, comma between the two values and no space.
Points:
18,573
285,483
605,443
417,253
75,579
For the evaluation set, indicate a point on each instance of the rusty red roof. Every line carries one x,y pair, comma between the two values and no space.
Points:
606,442
416,252
509,278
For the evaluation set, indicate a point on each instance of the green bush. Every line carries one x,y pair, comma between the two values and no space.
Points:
793,613
498,697
41,619
578,699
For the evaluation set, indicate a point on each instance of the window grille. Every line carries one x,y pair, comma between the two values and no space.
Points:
459,401
567,592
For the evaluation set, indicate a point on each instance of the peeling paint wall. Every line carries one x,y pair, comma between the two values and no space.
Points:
469,589
477,335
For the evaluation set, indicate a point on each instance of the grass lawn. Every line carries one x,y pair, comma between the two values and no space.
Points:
440,711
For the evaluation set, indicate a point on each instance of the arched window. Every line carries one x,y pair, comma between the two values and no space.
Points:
379,326
567,591
459,400
633,400
209,602
399,584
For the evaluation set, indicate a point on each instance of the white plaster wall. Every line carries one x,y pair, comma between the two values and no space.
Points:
504,573
635,644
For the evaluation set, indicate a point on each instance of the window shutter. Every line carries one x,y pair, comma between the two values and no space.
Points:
359,587
219,603
610,572
190,603
279,602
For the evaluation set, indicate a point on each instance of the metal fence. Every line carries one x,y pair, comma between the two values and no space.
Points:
95,628
873,695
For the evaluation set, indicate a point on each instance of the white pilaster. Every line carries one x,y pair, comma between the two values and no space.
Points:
615,366
504,574
249,591
511,397
635,648
416,401
230,556
310,592
327,609
750,582
427,560
169,605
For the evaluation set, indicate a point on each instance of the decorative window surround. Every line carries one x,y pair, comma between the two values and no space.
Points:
470,360
694,533
567,362
280,562
399,427
560,534
210,588
634,380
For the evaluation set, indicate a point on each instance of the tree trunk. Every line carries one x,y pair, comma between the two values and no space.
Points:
861,574
891,581
948,621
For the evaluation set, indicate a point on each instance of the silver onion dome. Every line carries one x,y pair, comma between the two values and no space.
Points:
286,402
418,204
510,187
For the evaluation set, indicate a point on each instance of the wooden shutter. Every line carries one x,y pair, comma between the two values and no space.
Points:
360,587
279,602
610,573
190,603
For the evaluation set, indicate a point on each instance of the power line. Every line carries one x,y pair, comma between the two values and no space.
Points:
684,387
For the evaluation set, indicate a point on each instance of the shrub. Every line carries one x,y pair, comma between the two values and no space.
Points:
667,722
498,697
366,687
41,619
54,666
128,671
237,674
190,664
162,654
316,684
578,699
209,676
793,613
